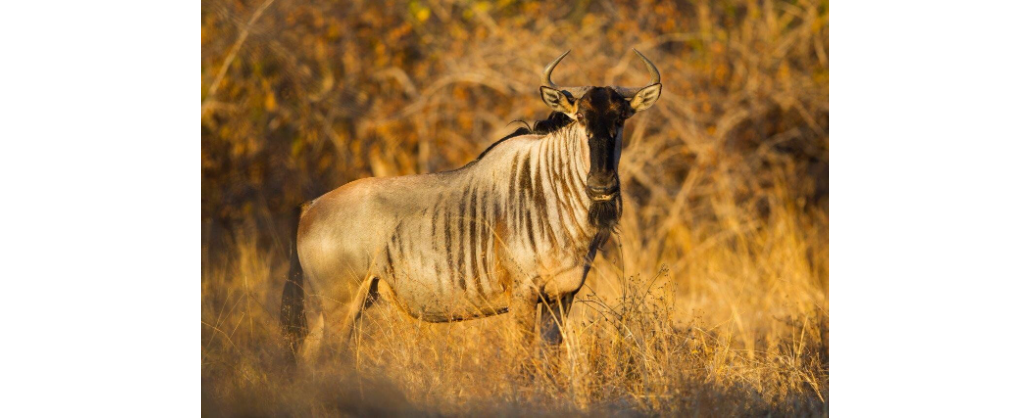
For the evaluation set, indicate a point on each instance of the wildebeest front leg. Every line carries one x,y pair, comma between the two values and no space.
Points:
523,310
552,318
522,307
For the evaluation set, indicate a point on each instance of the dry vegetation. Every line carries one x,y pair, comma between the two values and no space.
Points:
713,299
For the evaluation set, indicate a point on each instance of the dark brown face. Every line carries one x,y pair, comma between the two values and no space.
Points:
603,112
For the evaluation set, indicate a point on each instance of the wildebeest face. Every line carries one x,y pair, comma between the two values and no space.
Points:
602,112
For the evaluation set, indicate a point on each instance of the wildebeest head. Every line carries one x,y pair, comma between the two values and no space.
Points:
602,112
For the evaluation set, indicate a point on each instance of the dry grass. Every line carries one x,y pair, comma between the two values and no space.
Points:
713,299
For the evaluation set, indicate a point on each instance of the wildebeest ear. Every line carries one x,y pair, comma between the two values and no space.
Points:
557,100
646,97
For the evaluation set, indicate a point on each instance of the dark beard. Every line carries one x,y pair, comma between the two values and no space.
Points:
605,215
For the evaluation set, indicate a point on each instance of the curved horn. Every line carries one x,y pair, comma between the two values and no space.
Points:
545,79
656,77
651,69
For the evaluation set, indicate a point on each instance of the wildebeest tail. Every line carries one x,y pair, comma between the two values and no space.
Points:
292,319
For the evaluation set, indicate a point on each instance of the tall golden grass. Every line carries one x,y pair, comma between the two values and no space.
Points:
713,298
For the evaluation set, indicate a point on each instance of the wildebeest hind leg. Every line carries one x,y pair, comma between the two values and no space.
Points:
367,294
312,346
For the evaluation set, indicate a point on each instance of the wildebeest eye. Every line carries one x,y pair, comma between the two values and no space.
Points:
579,116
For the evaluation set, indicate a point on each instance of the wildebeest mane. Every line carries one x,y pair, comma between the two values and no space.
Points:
554,122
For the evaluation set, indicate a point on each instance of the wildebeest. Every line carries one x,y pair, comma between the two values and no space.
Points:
517,227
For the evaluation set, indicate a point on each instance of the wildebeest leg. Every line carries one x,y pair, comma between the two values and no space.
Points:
312,346
367,294
552,318
523,310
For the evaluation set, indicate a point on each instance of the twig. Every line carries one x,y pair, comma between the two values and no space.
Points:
218,330
218,321
232,53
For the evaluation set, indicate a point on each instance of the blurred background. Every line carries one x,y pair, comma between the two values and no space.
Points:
725,179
